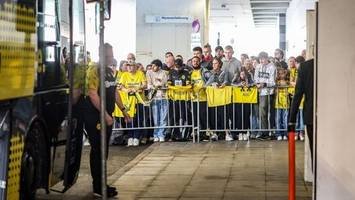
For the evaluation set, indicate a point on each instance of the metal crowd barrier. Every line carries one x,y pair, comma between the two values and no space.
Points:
248,117
241,113
179,117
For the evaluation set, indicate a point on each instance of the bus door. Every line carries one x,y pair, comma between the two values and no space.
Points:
76,75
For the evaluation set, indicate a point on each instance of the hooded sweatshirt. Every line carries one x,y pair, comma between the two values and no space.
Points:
231,67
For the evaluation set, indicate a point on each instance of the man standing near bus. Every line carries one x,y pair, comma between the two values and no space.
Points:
92,116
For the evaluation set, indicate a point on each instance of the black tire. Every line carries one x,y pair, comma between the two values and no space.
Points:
32,170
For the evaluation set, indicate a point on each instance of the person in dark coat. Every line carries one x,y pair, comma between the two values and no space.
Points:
304,86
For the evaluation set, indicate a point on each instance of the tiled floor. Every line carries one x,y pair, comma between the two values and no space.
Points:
220,170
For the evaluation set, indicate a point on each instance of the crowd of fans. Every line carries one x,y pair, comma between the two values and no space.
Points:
273,77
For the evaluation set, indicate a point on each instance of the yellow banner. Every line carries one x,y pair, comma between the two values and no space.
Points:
17,50
245,95
179,93
219,96
129,103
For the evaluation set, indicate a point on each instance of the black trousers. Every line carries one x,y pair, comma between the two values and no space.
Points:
181,113
202,114
241,116
218,117
92,119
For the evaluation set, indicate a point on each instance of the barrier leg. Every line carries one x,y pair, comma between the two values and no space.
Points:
291,166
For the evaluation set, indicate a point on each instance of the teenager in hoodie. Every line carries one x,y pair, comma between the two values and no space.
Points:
231,65
265,80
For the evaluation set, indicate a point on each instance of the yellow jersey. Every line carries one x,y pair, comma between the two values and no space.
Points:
198,91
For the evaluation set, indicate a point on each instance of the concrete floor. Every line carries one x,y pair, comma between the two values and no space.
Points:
182,170
219,170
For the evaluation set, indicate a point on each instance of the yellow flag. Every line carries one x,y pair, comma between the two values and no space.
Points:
245,95
219,96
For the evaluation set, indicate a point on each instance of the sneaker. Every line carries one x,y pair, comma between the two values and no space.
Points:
214,137
144,140
130,142
135,142
279,138
156,139
285,137
229,137
245,137
161,139
296,137
259,135
301,136
240,137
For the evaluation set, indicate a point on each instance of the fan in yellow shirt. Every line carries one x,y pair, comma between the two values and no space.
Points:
132,83
199,77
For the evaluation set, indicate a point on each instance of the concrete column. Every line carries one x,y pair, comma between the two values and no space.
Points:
336,94
282,31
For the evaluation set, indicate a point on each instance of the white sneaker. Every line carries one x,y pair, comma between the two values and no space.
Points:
245,137
214,137
240,136
296,137
285,137
130,142
229,137
135,142
279,138
302,136
161,139
156,139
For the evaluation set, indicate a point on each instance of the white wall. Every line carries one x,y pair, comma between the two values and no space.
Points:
246,39
153,40
120,31
336,97
296,26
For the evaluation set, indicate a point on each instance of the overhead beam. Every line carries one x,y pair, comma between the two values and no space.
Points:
270,1
265,17
269,5
265,14
268,11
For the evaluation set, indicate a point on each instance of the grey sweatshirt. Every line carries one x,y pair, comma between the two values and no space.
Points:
265,74
231,66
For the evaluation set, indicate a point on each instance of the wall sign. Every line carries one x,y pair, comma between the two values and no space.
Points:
168,19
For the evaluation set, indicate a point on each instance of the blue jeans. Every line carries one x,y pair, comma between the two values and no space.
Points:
299,121
160,116
255,118
281,122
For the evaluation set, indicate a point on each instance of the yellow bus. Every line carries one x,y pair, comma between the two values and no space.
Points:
41,94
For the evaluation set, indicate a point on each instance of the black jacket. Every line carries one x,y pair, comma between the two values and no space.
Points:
180,77
304,85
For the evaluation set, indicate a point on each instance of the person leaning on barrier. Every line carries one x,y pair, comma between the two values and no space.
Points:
199,77
133,82
241,120
218,79
265,80
92,116
231,65
281,102
179,80
157,80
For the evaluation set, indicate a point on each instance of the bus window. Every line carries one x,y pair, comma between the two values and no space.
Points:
52,73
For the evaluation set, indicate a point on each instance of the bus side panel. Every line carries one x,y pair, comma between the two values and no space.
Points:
4,143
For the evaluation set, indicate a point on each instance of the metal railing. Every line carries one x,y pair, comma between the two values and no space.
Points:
243,111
